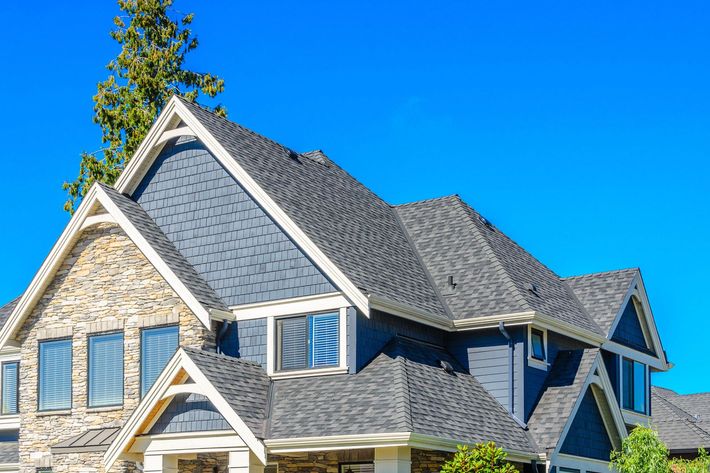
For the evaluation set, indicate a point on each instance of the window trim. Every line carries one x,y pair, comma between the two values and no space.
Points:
364,462
272,348
71,376
2,388
536,362
88,369
646,379
140,352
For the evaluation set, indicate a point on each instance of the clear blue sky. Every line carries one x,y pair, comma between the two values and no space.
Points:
582,129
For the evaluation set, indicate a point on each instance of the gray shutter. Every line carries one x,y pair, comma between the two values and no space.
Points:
293,336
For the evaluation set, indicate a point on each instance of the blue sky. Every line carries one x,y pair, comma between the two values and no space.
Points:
582,129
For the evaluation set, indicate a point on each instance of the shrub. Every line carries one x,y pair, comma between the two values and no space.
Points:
701,464
641,452
481,458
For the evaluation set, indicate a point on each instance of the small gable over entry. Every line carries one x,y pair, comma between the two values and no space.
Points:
632,330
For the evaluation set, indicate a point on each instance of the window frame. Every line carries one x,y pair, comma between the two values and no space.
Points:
344,464
272,347
309,342
140,352
2,388
71,377
88,369
533,361
622,386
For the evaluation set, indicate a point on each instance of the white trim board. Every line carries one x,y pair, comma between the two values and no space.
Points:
125,442
174,112
97,196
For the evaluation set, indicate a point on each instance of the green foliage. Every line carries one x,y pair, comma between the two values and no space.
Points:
701,464
142,78
641,452
482,458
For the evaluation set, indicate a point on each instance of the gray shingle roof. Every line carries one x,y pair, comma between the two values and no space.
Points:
403,389
9,452
93,440
562,389
491,272
243,384
6,310
682,421
602,294
353,227
167,251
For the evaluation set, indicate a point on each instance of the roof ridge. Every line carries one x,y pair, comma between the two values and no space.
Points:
599,273
406,402
490,253
675,407
431,199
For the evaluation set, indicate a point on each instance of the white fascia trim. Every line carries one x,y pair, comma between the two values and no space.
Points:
408,312
628,352
175,108
382,440
294,306
570,330
179,361
97,219
492,321
603,378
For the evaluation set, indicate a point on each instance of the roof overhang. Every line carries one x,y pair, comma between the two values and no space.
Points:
173,381
82,219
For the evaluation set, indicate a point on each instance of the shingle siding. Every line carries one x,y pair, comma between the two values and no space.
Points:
189,413
221,230
587,437
251,340
611,363
484,353
628,331
374,332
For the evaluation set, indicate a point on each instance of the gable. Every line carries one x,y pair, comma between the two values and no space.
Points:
629,330
220,230
189,412
588,436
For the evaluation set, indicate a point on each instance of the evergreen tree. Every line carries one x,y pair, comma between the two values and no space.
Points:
142,78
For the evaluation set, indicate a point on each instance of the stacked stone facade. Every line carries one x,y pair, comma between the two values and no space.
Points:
104,284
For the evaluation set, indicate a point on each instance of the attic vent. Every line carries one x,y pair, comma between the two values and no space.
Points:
446,366
485,221
532,288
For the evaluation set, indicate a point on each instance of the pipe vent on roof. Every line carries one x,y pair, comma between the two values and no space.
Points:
485,222
531,288
446,366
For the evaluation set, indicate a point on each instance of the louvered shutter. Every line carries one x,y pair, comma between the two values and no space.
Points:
158,345
293,341
55,372
10,377
324,338
106,370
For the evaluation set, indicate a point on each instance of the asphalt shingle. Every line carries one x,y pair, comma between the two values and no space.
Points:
9,452
6,310
602,294
682,421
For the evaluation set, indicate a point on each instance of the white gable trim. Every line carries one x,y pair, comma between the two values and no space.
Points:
180,361
174,112
599,377
637,291
65,244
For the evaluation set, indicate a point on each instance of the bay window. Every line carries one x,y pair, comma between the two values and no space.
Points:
55,372
308,341
634,383
106,370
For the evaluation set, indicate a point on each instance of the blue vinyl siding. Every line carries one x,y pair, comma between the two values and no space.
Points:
158,345
10,382
611,363
189,413
106,370
485,354
629,332
587,436
251,340
55,372
232,243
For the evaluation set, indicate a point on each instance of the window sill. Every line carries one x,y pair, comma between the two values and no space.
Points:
539,364
105,408
633,417
309,373
63,412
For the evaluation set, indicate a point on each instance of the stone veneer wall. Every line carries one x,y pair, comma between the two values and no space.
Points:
320,462
105,283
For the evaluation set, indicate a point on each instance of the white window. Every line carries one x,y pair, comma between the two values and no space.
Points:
537,347
364,467
308,341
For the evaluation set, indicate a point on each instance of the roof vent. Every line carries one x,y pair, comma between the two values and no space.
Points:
451,282
532,288
485,221
446,366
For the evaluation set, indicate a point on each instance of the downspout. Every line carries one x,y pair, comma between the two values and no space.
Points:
511,367
224,327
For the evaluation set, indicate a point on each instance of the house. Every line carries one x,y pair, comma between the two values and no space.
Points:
233,305
682,421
